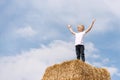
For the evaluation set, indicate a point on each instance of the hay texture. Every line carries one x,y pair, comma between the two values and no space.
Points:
75,70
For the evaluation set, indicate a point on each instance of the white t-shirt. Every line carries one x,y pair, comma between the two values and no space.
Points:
79,38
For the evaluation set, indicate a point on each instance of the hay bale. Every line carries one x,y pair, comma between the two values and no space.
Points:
75,70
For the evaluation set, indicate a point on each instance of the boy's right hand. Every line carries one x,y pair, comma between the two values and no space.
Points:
69,26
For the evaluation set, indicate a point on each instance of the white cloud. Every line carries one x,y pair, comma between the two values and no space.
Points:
91,50
72,12
113,71
26,32
47,15
53,15
47,12
30,65
114,6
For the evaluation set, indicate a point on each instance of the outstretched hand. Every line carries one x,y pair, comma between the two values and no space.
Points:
89,28
93,20
69,26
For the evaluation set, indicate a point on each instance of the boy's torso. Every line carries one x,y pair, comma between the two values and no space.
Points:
79,38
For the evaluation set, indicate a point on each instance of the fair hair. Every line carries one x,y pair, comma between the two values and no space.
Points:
81,27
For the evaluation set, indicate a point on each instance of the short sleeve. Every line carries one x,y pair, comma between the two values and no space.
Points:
84,32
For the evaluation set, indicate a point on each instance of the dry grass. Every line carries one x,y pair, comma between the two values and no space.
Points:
75,70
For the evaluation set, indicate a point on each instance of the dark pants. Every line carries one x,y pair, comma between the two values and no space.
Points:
80,52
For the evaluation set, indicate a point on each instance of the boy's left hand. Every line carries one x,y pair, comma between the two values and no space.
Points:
69,26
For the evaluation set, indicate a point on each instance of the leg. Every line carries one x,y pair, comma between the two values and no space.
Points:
82,53
77,51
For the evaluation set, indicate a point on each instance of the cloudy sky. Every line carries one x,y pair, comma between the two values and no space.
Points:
33,35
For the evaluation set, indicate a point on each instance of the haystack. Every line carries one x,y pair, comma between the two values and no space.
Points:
75,70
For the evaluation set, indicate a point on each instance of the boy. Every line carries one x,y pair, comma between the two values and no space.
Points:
79,45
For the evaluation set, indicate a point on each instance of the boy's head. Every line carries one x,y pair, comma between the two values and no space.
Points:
80,28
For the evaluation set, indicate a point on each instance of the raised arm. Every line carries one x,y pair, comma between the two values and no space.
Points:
71,30
90,27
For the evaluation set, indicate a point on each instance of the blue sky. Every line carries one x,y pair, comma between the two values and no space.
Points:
33,35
